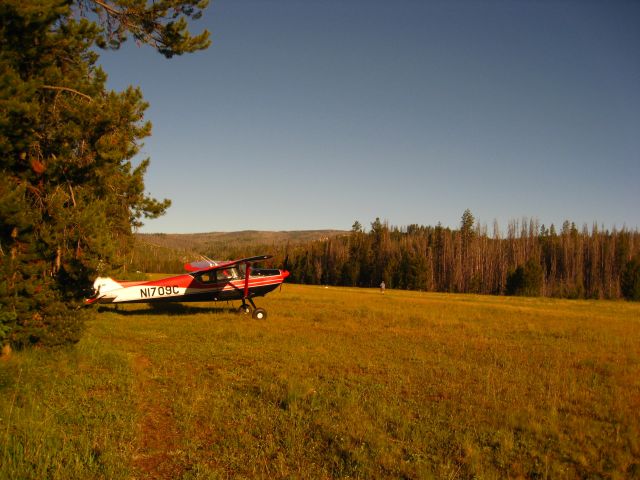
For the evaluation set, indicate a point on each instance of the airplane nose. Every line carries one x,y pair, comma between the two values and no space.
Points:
284,273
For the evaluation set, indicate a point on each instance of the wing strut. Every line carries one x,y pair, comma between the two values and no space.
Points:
247,272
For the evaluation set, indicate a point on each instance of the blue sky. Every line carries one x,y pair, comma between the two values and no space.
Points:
310,114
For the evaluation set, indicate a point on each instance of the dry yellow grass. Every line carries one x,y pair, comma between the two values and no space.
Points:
336,383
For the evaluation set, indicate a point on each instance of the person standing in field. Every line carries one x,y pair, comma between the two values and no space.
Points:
382,287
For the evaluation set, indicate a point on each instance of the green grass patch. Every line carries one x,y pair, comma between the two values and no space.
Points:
336,383
67,414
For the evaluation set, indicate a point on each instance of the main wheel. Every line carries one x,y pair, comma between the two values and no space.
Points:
259,314
244,310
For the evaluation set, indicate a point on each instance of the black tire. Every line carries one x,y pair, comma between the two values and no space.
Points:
259,314
244,310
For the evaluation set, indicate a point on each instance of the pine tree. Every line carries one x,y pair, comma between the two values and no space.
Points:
69,193
630,281
526,280
466,224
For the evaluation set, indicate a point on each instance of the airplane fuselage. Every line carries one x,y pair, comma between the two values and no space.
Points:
188,287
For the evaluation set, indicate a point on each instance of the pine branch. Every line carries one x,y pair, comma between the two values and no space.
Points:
67,89
123,16
110,10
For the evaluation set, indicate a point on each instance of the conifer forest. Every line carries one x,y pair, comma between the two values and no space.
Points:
528,259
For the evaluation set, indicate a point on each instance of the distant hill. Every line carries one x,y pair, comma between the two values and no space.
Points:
212,242
167,252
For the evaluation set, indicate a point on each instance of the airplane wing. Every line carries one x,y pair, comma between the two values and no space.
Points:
210,266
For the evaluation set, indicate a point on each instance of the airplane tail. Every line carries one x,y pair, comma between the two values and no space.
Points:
102,286
105,284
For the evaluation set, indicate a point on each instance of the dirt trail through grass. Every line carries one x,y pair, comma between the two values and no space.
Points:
157,434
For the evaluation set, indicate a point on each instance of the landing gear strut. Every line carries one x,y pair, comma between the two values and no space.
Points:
258,313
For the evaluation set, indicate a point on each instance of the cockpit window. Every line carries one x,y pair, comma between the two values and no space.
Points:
242,268
219,276
227,274
206,277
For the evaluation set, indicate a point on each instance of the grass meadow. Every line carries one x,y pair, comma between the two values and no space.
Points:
336,383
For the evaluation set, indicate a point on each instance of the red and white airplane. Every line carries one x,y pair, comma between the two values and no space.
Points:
206,281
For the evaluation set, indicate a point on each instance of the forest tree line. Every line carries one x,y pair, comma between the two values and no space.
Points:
567,262
586,263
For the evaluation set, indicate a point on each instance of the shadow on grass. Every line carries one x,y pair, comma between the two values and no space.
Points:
169,309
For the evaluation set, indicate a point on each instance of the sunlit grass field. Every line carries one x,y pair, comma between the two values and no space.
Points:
336,383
